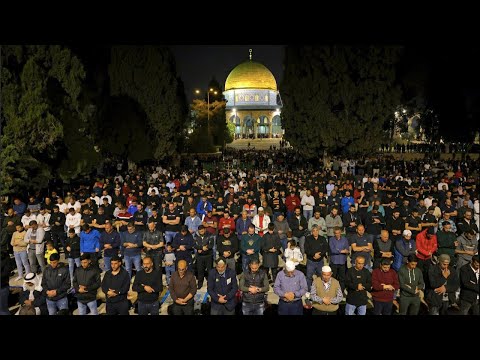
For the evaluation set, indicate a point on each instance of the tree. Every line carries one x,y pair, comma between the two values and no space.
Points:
41,92
147,74
337,98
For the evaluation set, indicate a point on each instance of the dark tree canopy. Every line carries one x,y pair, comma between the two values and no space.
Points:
337,98
147,74
42,102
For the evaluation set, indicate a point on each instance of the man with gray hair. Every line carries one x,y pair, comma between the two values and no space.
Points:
222,288
444,282
326,293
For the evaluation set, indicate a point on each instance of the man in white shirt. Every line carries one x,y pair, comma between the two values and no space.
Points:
308,202
72,220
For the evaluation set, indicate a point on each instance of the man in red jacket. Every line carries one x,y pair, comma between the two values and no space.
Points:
427,245
384,285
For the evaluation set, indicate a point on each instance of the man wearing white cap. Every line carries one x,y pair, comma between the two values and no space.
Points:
290,285
326,293
261,221
403,247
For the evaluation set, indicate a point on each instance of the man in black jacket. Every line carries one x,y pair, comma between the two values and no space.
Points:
57,231
358,281
203,244
115,285
469,288
227,246
55,284
443,284
86,283
148,285
316,249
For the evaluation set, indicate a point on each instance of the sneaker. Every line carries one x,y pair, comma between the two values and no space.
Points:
19,278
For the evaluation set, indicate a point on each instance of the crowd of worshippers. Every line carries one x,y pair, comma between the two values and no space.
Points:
403,239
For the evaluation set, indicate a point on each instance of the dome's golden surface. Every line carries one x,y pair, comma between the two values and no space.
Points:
250,75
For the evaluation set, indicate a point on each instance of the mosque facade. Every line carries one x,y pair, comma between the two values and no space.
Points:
253,101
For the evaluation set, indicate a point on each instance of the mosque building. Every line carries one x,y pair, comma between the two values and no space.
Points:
253,101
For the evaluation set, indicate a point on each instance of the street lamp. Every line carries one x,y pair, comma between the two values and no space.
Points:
208,106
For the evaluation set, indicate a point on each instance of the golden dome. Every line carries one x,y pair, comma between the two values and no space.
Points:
250,75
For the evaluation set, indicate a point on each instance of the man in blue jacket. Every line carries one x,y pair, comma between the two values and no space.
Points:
90,243
222,288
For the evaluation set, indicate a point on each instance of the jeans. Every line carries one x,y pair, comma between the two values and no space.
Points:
136,260
169,235
439,310
313,268
350,309
465,307
35,259
148,309
245,262
106,263
71,266
21,259
221,311
4,293
214,249
169,270
54,306
300,241
92,305
253,309
157,259
308,214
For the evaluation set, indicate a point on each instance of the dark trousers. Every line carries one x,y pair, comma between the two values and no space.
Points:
409,304
157,259
382,308
319,312
338,272
424,265
118,308
439,310
313,267
274,272
148,308
465,307
204,265
221,310
290,308
4,293
58,237
183,309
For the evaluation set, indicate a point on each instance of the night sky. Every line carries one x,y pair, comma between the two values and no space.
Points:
197,64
